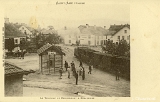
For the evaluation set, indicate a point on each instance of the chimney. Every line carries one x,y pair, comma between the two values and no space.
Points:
6,20
65,28
87,25
94,26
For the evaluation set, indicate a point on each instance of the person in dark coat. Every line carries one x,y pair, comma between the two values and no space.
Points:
83,74
60,72
68,69
73,68
90,69
117,74
80,65
18,54
66,65
22,54
76,76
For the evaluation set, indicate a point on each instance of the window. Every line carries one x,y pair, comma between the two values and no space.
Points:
21,39
69,41
125,31
123,37
97,42
89,42
89,36
128,37
16,41
118,37
101,42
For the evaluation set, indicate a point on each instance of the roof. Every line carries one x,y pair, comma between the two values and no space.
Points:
116,28
29,28
11,31
11,69
50,31
24,25
71,31
95,30
49,46
17,25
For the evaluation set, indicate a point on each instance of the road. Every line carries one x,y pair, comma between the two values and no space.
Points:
97,84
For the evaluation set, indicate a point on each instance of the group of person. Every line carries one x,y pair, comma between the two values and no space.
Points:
76,73
19,54
81,71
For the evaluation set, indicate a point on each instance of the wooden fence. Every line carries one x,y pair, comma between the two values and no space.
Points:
105,62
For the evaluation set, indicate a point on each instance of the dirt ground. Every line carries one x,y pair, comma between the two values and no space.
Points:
97,84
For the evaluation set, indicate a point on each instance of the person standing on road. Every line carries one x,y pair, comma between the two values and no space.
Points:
80,71
22,54
76,76
73,68
80,65
68,72
18,54
117,74
90,69
66,65
83,73
60,72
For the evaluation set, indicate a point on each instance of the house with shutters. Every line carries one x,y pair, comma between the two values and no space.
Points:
12,36
50,58
119,32
28,31
92,35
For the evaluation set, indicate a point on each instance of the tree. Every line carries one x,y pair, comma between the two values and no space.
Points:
122,48
53,39
40,40
22,44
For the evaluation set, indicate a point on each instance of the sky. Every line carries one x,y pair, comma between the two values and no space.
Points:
73,15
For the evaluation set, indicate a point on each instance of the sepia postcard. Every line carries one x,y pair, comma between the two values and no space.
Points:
70,50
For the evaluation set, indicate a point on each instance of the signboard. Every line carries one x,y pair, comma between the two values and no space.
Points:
51,53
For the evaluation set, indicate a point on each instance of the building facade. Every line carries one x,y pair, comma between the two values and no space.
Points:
26,30
12,36
69,35
13,82
118,33
92,35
